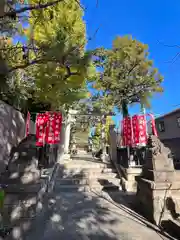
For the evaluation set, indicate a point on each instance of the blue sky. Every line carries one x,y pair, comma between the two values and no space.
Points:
149,22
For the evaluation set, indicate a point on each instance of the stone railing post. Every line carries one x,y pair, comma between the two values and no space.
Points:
113,143
104,156
67,132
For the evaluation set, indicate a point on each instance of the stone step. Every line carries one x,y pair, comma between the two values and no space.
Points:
89,174
83,164
177,175
88,181
86,171
71,188
81,188
22,188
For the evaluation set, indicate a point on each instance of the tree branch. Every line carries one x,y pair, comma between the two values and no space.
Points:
44,61
34,7
30,8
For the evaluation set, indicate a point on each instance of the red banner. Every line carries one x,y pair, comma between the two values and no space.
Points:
48,128
153,125
58,122
139,130
127,131
134,130
53,128
28,119
41,122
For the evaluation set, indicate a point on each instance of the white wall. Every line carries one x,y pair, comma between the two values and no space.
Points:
12,131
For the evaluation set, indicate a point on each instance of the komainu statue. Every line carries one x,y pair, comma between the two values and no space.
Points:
157,147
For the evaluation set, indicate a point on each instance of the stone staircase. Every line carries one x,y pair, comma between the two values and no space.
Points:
83,173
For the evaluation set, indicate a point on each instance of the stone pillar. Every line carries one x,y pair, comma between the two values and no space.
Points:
103,134
67,132
61,145
113,143
67,135
104,155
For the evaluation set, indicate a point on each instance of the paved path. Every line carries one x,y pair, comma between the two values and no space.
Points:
85,216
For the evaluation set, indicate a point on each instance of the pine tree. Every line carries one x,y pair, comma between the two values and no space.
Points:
127,75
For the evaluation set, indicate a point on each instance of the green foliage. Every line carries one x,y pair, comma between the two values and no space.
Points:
126,74
63,66
97,137
54,56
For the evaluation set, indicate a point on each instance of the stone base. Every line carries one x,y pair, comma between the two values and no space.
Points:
158,201
66,157
105,158
128,181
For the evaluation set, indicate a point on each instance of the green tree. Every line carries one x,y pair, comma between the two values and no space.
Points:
54,55
97,137
126,75
60,66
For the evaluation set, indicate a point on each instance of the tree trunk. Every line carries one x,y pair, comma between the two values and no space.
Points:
125,109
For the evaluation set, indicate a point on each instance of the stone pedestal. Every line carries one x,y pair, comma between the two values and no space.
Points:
128,180
66,157
105,158
157,189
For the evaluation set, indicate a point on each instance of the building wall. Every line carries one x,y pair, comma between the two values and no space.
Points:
174,145
172,130
171,135
12,131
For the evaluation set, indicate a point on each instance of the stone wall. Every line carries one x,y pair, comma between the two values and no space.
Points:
12,131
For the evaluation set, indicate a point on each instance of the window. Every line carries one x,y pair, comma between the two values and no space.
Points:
161,126
178,121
